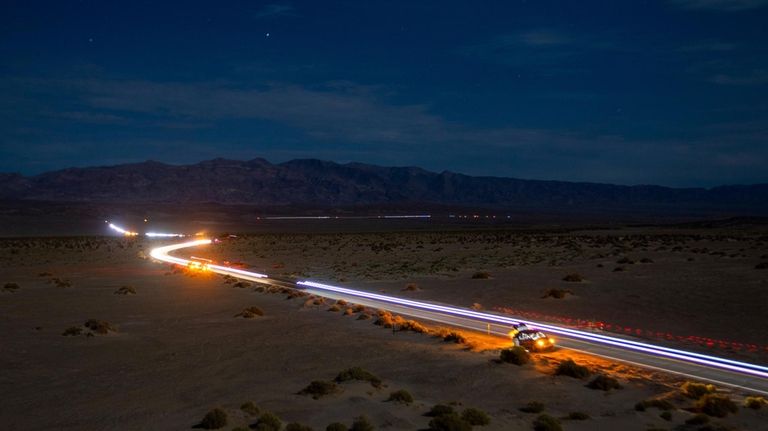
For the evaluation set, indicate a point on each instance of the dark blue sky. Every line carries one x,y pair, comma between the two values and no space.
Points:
667,92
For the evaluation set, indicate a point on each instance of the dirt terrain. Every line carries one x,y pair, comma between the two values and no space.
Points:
160,358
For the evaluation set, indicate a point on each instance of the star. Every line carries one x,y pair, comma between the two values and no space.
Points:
267,34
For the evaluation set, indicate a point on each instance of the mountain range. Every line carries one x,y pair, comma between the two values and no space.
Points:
320,183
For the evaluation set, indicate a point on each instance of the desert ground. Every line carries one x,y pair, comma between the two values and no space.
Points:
167,346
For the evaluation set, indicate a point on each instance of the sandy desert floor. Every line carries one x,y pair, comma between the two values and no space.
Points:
177,349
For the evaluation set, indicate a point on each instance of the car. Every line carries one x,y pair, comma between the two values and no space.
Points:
530,339
199,263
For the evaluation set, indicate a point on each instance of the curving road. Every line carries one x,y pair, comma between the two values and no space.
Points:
722,371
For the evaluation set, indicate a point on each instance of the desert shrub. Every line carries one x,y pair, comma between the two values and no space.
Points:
439,410
334,308
295,426
646,260
654,403
61,282
361,423
241,429
762,265
250,408
72,331
449,422
384,319
336,426
357,373
11,287
476,306
625,260
125,290
475,417
533,407
250,313
359,308
699,419
572,369
341,302
604,383
411,287
573,278
349,311
716,405
577,416
319,388
401,396
454,337
364,316
413,326
242,284
755,403
268,421
666,415
546,423
515,355
619,269
557,293
481,275
99,326
695,390
214,419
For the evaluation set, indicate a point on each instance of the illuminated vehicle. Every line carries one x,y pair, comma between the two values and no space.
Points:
531,339
199,263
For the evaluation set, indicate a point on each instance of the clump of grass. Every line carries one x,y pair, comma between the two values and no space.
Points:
401,396
666,415
364,316
250,313
357,373
604,383
572,369
475,417
481,275
574,278
577,416
349,311
125,290
242,284
716,405
532,407
625,261
99,326
214,419
547,423
334,308
755,403
619,269
440,410
454,337
654,403
515,355
695,390
11,287
295,426
413,326
59,282
411,287
336,426
250,407
698,419
449,422
72,331
557,293
319,388
268,421
384,319
361,423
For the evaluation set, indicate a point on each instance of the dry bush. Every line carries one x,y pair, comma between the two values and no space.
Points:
716,405
358,308
358,373
72,331
214,419
577,416
125,290
695,390
449,422
341,302
336,426
364,316
411,287
698,419
450,336
572,369
625,261
755,403
45,274
413,326
401,396
481,275
250,313
604,383
99,326
515,355
361,423
295,426
268,421
250,407
557,293
11,287
476,306
654,403
574,278
349,311
384,319
532,407
334,308
61,282
242,284
619,269
439,410
319,388
547,423
475,417
666,415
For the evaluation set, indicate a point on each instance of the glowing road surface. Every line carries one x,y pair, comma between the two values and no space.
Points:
750,377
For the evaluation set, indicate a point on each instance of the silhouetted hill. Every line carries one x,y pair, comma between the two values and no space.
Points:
322,183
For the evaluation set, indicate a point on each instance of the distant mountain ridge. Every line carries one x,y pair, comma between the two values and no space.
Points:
323,183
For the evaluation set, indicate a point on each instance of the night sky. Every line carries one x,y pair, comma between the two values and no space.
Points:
670,92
